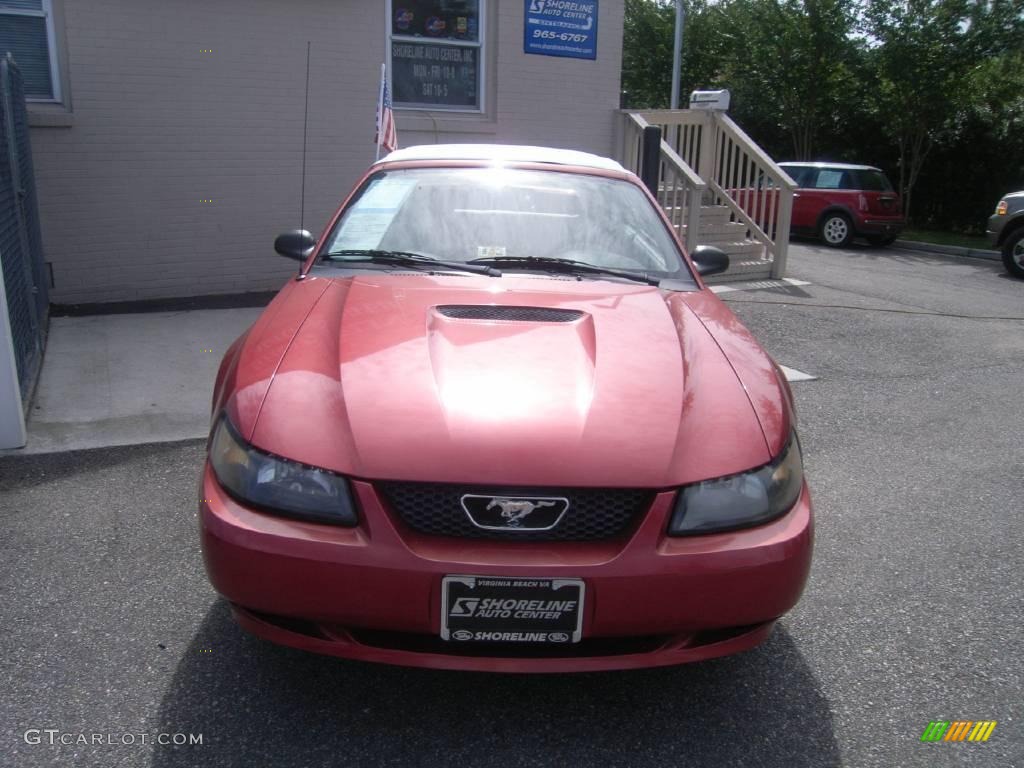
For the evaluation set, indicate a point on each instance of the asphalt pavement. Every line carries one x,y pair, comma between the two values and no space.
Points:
913,443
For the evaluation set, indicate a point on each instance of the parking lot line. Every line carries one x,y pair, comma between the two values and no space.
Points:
792,374
755,285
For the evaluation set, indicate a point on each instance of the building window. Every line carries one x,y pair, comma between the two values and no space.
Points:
26,31
436,54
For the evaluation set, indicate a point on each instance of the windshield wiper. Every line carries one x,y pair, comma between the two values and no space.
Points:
567,266
410,258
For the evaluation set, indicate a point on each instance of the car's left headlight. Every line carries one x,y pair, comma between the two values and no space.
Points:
740,501
278,485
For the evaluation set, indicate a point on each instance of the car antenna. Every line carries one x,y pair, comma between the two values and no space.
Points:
305,131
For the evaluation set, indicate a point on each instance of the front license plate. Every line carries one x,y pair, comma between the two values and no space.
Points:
505,609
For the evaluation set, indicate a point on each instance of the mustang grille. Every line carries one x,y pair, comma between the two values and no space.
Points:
515,314
594,514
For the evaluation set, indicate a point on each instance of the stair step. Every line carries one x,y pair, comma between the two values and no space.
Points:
722,227
717,240
720,235
747,249
744,269
750,265
761,271
715,236
712,212
715,213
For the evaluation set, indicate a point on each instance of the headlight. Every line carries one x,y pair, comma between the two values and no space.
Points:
1001,208
276,484
740,501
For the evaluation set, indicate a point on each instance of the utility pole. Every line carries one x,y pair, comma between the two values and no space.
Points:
677,56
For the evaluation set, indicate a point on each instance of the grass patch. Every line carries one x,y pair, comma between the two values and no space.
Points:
977,242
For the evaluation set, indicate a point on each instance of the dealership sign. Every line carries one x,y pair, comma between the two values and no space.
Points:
561,28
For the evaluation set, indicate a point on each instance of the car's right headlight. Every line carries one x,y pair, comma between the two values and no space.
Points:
743,500
276,484
1001,208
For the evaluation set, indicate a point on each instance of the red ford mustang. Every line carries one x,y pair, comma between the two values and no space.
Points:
497,422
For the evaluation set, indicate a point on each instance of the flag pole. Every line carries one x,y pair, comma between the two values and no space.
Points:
380,110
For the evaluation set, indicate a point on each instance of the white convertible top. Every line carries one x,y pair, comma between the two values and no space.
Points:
502,153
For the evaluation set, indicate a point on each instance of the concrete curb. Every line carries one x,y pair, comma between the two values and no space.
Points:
948,250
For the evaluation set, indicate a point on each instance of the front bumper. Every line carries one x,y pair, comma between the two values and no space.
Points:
875,225
374,592
994,230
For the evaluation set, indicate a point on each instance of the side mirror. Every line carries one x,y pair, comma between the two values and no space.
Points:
709,260
295,244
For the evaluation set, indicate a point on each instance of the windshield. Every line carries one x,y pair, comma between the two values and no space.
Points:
463,214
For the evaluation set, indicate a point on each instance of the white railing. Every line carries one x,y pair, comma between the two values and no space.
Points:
756,189
680,189
682,129
737,172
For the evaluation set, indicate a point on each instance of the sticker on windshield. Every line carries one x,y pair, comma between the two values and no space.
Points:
362,231
369,218
385,194
490,251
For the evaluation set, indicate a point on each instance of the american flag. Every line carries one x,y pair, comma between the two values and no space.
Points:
387,135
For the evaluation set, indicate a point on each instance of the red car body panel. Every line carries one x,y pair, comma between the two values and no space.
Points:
250,364
384,577
649,388
395,380
865,207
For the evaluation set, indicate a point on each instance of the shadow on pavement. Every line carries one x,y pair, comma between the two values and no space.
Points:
864,251
258,704
786,291
32,469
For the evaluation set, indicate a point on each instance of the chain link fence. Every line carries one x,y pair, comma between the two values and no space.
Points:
21,243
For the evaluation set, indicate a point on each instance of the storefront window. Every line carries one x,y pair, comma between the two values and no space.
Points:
436,49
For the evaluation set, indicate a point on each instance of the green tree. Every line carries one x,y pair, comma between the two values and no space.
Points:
647,38
788,62
920,54
966,175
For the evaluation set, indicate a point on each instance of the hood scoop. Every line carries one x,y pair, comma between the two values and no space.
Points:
508,314
509,372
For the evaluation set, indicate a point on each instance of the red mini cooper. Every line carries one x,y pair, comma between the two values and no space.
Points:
497,422
838,202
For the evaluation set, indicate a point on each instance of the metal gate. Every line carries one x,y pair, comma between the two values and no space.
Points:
21,243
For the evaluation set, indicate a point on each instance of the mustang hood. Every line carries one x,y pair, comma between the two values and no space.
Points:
519,381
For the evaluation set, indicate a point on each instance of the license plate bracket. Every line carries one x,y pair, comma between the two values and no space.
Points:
541,610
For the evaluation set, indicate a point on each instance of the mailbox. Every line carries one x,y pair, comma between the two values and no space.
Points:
714,100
